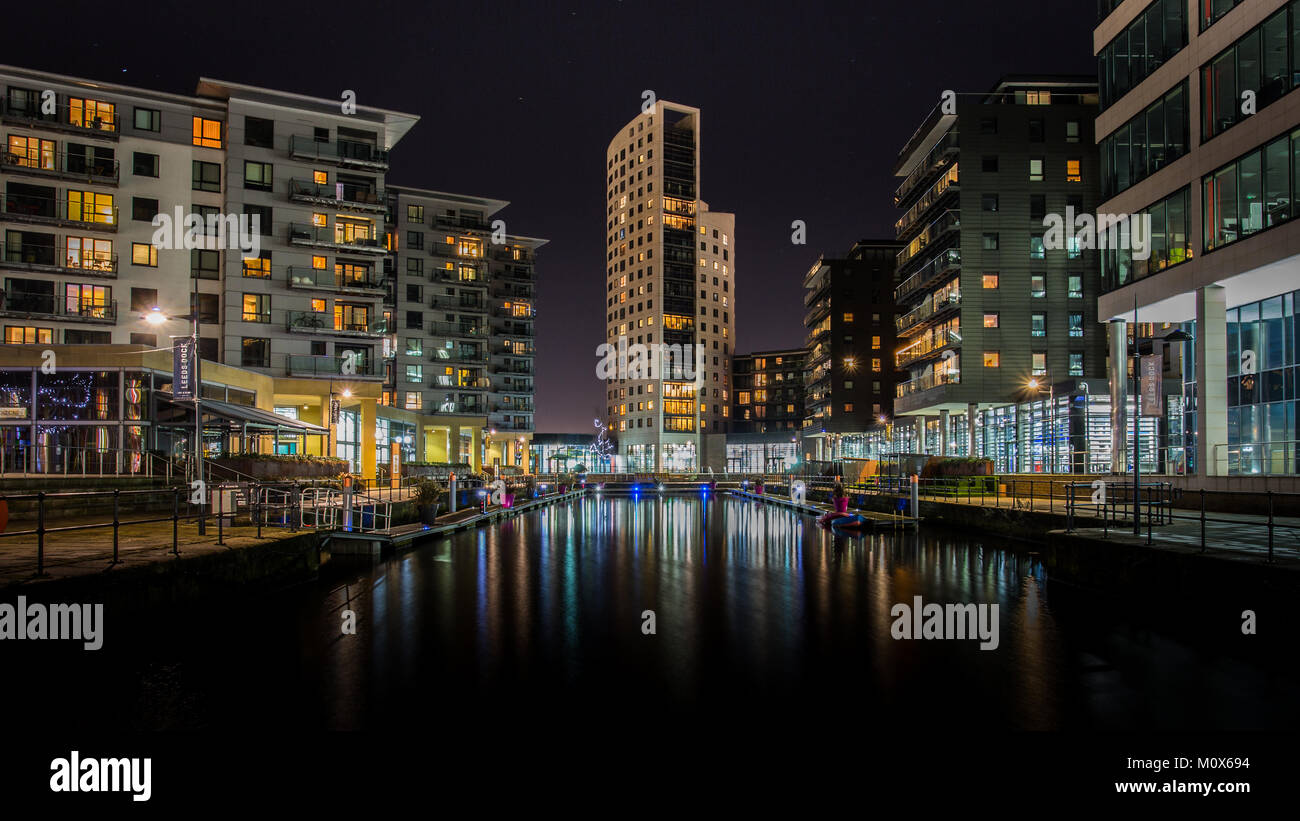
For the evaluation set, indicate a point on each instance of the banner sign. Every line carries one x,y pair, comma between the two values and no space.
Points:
183,356
335,407
1152,371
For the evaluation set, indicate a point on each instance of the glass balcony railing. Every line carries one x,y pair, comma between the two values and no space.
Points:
945,222
334,367
79,119
59,259
947,262
342,152
927,346
338,195
324,279
311,235
60,165
928,308
85,213
936,158
927,382
313,322
473,329
17,303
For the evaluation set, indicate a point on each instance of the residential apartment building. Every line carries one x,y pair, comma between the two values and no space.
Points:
1199,129
465,323
767,410
670,280
991,304
849,371
304,290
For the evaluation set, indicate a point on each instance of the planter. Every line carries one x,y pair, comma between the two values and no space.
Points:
429,514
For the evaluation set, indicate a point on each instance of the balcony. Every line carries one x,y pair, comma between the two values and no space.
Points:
931,307
334,367
470,384
936,158
459,303
516,368
514,407
817,312
455,278
344,153
942,226
310,236
61,165
458,357
64,118
948,262
923,348
503,312
511,290
61,212
927,382
311,322
31,305
339,196
460,223
514,327
458,329
460,408
946,184
324,279
50,259
517,427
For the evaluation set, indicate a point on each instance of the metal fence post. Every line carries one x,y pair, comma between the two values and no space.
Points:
117,492
220,517
40,533
176,521
1270,525
1202,520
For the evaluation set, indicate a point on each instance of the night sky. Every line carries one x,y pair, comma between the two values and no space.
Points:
804,108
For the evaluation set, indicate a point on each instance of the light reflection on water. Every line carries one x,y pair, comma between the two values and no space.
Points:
758,610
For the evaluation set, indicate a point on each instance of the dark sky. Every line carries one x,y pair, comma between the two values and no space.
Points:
804,108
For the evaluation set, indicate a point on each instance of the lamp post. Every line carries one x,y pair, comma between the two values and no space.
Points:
1177,335
1035,384
156,317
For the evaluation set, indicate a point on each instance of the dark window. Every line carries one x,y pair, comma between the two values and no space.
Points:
205,264
414,320
144,165
207,176
144,299
143,210
1037,206
255,352
150,340
259,132
209,307
990,202
1037,131
263,214
990,165
148,119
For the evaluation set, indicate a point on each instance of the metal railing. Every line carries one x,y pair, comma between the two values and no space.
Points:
332,366
57,306
54,256
61,164
1280,458
343,152
300,276
61,460
52,210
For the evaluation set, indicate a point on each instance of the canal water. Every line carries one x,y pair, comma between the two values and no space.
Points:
757,612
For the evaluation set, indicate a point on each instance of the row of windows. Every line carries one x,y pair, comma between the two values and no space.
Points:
1037,323
1038,285
1145,144
1169,243
1252,193
1260,63
1153,37
1038,362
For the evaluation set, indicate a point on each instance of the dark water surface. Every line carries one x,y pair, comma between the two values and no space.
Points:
758,612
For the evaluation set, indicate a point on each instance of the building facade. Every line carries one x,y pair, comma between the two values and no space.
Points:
849,370
993,304
669,281
266,215
1199,130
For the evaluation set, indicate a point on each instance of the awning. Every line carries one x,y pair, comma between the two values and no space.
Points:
245,416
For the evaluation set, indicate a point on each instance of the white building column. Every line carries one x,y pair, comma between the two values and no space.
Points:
1117,372
918,428
1211,379
970,430
943,432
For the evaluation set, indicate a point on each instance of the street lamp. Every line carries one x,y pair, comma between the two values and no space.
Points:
1036,385
1176,335
156,318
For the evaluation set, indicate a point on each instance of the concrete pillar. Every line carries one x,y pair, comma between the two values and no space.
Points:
419,442
475,448
369,465
1117,372
919,426
943,432
971,410
453,443
1211,379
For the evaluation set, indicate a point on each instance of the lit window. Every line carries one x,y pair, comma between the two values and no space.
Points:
992,359
142,253
320,177
848,317
319,220
991,320
990,281
1039,364
207,133
318,262
1074,170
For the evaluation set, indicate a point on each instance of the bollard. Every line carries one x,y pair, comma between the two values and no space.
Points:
220,532
116,495
451,493
916,501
